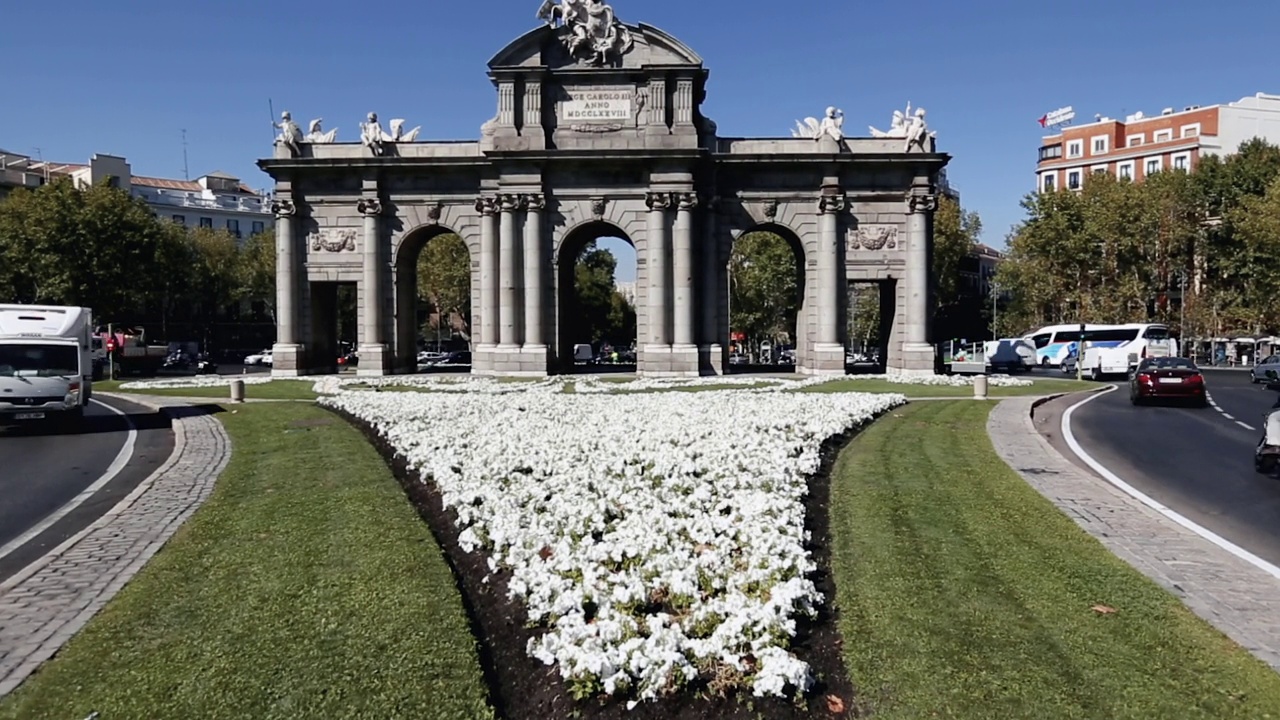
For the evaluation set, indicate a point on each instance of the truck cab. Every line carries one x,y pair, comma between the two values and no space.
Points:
46,364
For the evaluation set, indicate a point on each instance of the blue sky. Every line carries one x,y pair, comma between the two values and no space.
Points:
86,76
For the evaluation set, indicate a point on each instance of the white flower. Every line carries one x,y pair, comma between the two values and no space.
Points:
945,380
195,381
649,534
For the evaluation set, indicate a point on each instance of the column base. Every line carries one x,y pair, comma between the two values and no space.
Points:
824,359
287,360
375,361
915,360
534,361
711,359
669,361
506,359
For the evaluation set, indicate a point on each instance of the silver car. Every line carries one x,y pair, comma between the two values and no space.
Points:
1259,372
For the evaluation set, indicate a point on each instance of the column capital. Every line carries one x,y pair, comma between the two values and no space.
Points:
657,200
369,207
486,205
283,208
923,203
535,202
685,201
831,204
508,202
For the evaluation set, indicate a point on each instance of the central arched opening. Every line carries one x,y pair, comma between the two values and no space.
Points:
596,301
433,302
766,301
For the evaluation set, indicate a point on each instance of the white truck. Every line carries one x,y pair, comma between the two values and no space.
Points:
46,364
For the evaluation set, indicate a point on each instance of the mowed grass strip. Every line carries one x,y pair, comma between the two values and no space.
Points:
274,390
306,587
963,593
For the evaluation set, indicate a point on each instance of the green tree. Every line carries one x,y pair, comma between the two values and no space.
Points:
444,283
1255,226
595,291
864,315
256,271
96,247
955,235
764,284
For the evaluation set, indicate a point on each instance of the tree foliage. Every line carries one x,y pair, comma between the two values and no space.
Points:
764,287
600,313
955,237
1118,251
101,248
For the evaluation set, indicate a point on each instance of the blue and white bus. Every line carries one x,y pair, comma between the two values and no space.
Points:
1055,343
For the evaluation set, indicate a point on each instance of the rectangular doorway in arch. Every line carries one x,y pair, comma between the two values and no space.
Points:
334,326
871,309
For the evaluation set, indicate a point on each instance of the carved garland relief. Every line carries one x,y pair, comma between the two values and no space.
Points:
874,237
334,241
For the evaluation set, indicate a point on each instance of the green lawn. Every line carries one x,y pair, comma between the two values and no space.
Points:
1042,386
306,587
963,593
274,390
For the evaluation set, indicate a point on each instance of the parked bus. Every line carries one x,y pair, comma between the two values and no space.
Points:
1055,343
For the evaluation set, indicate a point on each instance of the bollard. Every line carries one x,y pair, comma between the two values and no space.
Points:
237,391
980,387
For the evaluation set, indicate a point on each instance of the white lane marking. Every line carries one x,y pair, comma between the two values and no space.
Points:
1150,502
1214,404
121,460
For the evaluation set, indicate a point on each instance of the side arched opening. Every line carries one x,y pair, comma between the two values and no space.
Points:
768,317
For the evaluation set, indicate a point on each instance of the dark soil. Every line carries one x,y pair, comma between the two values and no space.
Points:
522,688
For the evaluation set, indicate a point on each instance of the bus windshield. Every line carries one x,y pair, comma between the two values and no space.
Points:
1157,332
39,360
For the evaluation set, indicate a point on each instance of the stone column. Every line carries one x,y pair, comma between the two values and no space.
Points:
683,306
708,278
534,274
829,270
656,310
488,272
922,206
286,273
509,274
371,327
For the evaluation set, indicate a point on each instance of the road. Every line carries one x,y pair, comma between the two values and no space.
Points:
44,472
1199,462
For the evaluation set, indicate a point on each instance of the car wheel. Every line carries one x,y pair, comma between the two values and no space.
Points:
1095,374
1265,464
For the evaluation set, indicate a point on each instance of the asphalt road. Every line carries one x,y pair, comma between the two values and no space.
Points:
42,471
1198,462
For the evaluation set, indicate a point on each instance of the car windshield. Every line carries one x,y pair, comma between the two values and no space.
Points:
39,360
1167,363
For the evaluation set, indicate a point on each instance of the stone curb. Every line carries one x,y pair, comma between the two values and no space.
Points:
46,603
1240,600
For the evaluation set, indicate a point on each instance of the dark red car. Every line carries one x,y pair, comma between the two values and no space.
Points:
1167,378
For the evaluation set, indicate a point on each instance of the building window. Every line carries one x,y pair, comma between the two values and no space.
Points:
180,220
1075,148
1162,136
1152,166
233,227
206,223
1136,140
258,227
1073,180
1182,161
1099,169
1192,130
1047,182
1050,152
1124,171
1100,145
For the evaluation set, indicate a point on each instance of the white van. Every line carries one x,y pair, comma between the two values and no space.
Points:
583,354
46,363
1009,354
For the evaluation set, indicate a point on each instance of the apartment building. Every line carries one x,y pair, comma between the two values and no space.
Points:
1141,145
217,200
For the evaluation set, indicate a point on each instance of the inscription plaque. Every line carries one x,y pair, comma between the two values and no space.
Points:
586,106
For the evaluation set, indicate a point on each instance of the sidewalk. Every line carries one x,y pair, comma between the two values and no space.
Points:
1241,600
49,601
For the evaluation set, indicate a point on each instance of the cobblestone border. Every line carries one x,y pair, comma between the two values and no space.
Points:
49,601
1241,600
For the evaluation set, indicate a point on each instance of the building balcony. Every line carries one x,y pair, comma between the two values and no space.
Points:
227,204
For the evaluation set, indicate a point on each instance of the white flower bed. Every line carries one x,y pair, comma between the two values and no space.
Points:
654,539
195,381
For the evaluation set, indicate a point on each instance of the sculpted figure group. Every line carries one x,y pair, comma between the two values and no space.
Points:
372,135
911,127
589,30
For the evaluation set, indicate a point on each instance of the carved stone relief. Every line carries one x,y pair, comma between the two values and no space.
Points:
334,241
874,237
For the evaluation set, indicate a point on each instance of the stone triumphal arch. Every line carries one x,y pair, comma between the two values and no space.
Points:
598,130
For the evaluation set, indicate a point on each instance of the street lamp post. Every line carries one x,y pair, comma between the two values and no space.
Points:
995,324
